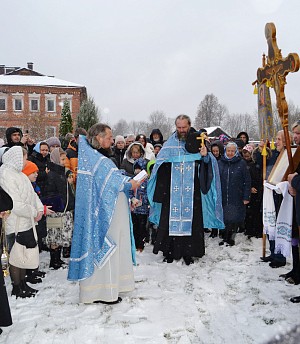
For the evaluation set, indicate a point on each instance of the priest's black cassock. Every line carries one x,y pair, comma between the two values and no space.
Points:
176,247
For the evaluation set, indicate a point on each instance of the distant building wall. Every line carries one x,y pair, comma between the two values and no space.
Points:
37,108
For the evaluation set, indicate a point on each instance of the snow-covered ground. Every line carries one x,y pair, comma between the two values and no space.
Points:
228,296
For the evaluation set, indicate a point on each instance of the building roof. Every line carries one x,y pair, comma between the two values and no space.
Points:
215,131
22,71
29,80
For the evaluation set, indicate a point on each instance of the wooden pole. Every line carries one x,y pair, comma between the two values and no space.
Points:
264,155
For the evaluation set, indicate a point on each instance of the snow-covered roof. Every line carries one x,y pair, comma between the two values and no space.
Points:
29,80
215,131
212,129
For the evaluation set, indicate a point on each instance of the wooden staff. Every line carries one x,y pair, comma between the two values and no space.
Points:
264,154
274,73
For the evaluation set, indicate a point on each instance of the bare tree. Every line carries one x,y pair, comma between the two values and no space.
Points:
235,123
210,112
36,124
294,115
121,128
138,127
159,120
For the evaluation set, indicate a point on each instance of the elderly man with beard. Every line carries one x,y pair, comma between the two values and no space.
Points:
101,255
184,194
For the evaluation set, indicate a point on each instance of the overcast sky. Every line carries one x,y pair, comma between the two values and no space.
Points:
138,56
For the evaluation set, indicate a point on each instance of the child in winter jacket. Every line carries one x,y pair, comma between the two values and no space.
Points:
140,213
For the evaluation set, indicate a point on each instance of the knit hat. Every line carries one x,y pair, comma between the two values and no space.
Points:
29,168
53,141
119,138
248,148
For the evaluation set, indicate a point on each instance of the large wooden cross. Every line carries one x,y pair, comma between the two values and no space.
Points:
275,71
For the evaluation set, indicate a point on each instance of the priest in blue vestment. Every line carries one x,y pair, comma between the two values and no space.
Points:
102,253
184,192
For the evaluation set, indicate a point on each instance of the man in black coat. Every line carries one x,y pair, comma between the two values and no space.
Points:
15,137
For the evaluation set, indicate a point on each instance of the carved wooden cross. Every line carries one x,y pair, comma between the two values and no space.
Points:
275,71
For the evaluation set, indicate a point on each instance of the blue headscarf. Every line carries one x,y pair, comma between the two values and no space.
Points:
37,147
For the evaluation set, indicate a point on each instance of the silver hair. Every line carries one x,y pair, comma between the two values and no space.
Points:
130,136
296,124
184,117
231,143
94,131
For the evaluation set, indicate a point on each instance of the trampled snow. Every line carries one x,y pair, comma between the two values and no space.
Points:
228,296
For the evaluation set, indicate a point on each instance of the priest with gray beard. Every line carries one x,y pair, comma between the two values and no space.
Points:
185,195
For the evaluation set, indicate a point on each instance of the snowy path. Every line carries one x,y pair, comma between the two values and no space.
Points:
228,296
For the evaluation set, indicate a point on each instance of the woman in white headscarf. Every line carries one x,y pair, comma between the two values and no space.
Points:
27,210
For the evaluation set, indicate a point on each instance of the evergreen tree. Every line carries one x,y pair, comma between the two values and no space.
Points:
88,114
66,122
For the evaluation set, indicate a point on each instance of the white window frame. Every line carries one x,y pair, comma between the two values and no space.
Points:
34,97
20,97
4,96
50,97
5,103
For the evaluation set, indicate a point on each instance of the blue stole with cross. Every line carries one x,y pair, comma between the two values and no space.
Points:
99,183
182,189
181,198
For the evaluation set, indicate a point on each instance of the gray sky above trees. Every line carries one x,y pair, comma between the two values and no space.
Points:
138,56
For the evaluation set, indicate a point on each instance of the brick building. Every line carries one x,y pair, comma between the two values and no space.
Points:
33,101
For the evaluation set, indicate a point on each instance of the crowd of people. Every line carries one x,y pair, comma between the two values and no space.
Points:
86,201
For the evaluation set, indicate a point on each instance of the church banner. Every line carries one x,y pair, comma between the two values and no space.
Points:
265,115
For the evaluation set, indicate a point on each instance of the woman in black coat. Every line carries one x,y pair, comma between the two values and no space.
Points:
119,150
58,185
40,156
236,190
253,221
5,316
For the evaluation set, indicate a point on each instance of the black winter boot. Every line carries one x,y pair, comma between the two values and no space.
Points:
214,233
66,252
27,288
18,291
33,279
55,258
153,233
226,235
231,234
293,277
59,256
